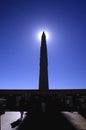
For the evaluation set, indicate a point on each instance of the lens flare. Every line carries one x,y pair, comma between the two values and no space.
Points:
40,35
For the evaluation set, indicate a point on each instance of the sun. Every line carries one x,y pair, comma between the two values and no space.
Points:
40,34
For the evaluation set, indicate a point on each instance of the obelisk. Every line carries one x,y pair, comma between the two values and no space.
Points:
43,74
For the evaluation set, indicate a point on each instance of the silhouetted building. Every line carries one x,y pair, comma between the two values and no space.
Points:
43,76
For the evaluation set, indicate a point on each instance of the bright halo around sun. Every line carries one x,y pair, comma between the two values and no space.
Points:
40,35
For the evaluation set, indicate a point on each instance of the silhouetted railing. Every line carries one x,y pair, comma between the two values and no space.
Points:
62,100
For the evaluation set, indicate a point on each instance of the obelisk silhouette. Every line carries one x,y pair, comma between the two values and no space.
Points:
43,74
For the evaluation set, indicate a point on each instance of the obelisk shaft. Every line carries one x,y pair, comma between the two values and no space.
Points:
43,75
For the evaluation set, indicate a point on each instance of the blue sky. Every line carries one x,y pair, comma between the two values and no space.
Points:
20,22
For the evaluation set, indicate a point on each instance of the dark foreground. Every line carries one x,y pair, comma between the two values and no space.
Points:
45,121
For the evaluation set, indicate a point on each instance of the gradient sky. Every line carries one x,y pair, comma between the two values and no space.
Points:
20,22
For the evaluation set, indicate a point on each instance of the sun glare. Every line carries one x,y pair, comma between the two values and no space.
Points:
40,35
